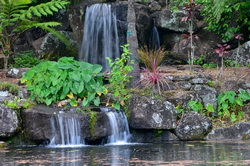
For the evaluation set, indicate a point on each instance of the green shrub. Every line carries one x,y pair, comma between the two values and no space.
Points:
25,59
51,81
119,78
229,104
210,65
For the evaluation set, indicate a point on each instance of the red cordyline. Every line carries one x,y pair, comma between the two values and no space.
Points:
238,37
190,9
222,49
187,37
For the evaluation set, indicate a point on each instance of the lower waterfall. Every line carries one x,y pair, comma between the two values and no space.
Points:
119,126
65,131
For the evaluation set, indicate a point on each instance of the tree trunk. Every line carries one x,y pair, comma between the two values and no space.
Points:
133,42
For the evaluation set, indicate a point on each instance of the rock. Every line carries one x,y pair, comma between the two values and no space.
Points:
185,85
3,144
244,54
167,19
237,132
151,113
8,122
53,47
205,94
143,23
152,136
193,126
16,72
38,123
155,6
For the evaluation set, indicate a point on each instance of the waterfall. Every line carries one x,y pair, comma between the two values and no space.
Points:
100,36
65,131
119,126
154,42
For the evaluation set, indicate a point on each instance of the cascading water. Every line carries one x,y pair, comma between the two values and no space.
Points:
65,131
154,42
100,36
119,126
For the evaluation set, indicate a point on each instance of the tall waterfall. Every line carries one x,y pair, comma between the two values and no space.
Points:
119,126
154,42
65,131
100,36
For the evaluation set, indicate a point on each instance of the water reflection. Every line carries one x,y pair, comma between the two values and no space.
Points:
176,153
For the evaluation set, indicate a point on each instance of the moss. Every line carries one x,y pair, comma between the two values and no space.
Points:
246,136
12,88
92,122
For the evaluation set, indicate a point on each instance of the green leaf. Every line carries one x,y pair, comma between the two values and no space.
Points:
97,101
244,95
210,108
81,87
85,103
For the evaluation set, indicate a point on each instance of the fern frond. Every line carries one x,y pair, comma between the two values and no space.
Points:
59,35
44,9
41,10
47,10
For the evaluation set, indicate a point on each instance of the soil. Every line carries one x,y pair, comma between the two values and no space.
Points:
4,78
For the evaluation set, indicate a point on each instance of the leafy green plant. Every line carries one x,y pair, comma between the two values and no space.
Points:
152,77
229,104
119,78
12,88
230,63
199,108
25,59
18,104
199,61
51,81
222,14
17,16
210,65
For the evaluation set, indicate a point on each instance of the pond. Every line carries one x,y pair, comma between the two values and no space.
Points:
172,153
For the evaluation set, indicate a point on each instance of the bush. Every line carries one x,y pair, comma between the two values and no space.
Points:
25,59
51,81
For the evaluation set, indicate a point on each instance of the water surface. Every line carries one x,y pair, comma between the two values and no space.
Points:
172,153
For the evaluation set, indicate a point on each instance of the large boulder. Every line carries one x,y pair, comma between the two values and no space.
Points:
8,122
193,126
243,57
53,47
237,132
151,113
41,123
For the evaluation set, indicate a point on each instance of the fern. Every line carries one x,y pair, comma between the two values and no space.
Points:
17,16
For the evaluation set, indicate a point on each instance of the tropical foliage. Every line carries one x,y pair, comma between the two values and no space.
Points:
120,78
152,77
17,16
51,81
221,16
